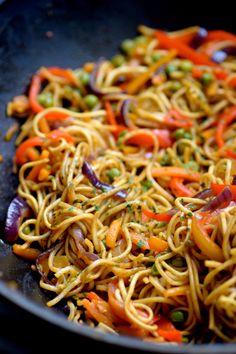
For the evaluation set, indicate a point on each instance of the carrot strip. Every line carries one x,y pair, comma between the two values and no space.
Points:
43,126
178,188
163,217
170,171
63,73
113,233
182,49
33,174
26,253
139,240
110,114
21,151
157,244
139,81
34,90
32,154
43,174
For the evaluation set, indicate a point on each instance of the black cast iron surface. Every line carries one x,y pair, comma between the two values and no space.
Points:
82,31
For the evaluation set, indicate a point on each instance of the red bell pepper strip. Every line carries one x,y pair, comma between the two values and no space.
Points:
218,188
178,188
224,120
220,35
56,116
63,73
163,217
60,134
20,155
175,119
34,90
167,330
183,50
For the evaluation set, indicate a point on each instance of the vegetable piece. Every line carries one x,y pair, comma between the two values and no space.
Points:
208,247
226,118
167,330
124,112
58,134
34,90
84,78
118,60
21,151
178,188
163,217
51,116
144,139
17,211
221,35
206,78
91,101
182,134
137,83
77,235
177,316
110,114
178,262
157,244
186,66
218,189
46,99
27,253
113,233
90,174
127,45
98,309
183,50
63,73
113,173
140,241
116,305
175,119
224,197
179,172
93,77
43,126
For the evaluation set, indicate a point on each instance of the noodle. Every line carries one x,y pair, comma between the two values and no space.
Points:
128,169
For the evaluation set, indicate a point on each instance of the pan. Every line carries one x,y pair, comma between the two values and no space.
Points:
69,33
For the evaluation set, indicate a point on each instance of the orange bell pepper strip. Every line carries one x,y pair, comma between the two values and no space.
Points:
140,241
99,309
179,172
58,134
63,73
21,151
163,217
168,331
178,188
182,49
138,82
218,188
27,253
113,233
34,90
157,244
220,35
203,241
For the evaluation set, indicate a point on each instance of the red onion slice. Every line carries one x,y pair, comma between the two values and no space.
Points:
225,196
90,174
18,209
123,118
199,38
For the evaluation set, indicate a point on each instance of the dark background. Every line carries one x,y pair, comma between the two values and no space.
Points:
82,31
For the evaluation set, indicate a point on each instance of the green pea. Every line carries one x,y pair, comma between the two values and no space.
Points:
113,173
156,56
127,45
175,86
177,316
178,262
166,160
147,184
182,134
192,165
170,68
186,66
84,78
140,40
154,270
118,60
185,339
46,99
206,78
91,101
26,230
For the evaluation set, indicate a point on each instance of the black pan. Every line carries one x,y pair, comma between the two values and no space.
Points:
82,31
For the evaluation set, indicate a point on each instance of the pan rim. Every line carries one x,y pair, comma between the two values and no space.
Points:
57,319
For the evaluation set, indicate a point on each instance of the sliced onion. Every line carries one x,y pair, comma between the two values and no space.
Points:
78,238
90,174
123,119
42,264
18,209
225,196
199,38
206,193
93,78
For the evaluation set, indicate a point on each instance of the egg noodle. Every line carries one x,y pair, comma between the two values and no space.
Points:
127,166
